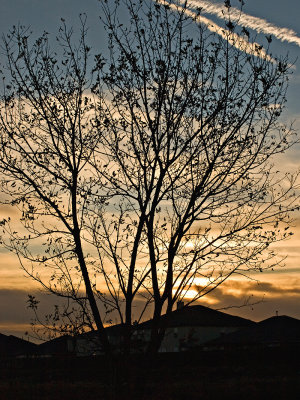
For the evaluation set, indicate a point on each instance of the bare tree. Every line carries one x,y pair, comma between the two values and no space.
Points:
192,123
48,134
152,173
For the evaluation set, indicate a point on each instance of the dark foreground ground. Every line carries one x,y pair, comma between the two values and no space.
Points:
257,374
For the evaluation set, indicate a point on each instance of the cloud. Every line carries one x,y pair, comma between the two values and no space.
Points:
238,289
260,25
269,288
256,300
248,299
13,307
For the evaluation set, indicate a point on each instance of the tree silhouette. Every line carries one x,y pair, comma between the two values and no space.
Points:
147,175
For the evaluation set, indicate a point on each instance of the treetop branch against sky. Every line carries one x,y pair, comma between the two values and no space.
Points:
203,231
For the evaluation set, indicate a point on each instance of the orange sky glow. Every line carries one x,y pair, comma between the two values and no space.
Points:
258,296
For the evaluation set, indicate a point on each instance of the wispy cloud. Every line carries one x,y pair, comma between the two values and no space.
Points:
260,25
256,300
235,40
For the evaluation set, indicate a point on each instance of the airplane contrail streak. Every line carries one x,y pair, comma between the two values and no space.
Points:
260,25
234,39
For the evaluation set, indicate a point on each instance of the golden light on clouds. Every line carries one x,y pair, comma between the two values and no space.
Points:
272,285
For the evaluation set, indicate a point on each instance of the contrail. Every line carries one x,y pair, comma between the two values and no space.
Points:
235,40
260,25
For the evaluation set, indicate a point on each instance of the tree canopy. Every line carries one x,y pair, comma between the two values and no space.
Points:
146,175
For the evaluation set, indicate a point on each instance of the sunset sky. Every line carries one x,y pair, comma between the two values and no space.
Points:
278,290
